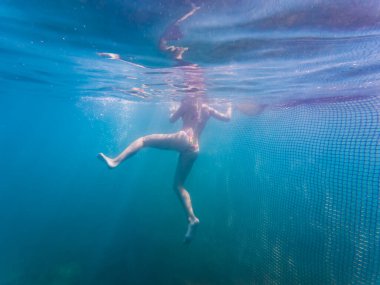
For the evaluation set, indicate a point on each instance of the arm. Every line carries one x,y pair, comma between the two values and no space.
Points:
226,117
176,114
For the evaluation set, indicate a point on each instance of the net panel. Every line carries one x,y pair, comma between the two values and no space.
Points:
307,210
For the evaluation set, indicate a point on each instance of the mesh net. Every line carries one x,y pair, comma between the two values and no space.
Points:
311,191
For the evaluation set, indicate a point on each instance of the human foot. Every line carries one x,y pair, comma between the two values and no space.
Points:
191,229
110,162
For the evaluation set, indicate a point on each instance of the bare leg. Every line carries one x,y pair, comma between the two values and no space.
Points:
127,152
175,141
185,163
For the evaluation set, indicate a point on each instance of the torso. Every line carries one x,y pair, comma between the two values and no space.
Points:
194,121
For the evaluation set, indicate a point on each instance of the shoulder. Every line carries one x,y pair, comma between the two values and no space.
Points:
207,111
206,108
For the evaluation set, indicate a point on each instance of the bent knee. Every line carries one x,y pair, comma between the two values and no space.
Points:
178,188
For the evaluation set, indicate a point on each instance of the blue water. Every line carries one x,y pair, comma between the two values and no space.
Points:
288,196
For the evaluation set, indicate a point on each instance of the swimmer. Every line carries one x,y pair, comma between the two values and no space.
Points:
194,114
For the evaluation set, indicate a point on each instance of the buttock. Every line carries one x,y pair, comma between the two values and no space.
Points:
189,143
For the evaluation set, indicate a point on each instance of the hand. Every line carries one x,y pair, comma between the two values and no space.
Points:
109,55
194,7
173,107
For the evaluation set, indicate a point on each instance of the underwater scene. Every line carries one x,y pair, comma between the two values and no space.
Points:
189,142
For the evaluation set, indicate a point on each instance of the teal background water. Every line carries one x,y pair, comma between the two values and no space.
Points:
287,197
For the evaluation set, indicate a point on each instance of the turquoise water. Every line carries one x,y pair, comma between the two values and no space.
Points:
288,196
